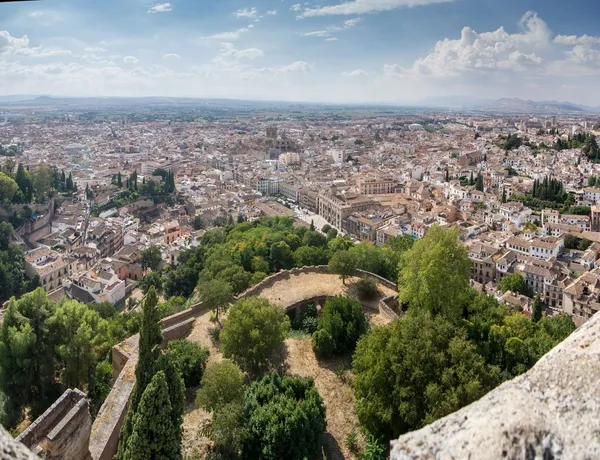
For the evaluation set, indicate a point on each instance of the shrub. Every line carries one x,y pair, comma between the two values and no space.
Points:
222,383
307,320
322,344
351,441
285,418
252,330
215,334
366,288
341,324
190,358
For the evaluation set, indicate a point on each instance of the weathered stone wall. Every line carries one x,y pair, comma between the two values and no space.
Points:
550,412
63,431
11,449
385,307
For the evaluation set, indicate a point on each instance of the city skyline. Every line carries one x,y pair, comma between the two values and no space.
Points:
397,51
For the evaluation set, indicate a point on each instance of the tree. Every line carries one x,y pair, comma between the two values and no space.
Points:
69,183
414,371
190,358
571,241
331,234
515,283
306,256
435,273
400,243
281,256
479,182
537,310
197,223
342,263
343,320
23,180
222,383
8,188
312,225
148,352
216,294
119,180
252,330
227,430
151,258
447,175
503,195
314,238
326,228
83,340
591,181
153,435
471,180
27,357
286,418
100,386
340,243
42,181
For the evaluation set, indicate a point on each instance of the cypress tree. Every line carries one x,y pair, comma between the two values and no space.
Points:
471,180
119,180
479,182
153,435
503,195
150,340
176,394
537,310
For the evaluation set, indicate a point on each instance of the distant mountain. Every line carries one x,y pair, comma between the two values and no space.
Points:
516,105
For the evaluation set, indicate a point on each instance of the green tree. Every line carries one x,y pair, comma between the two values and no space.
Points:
342,263
23,180
314,238
332,234
222,383
69,182
435,273
252,330
286,418
100,386
8,188
340,243
479,182
537,310
515,283
215,293
148,354
227,430
281,256
400,243
153,435
197,223
306,256
503,195
151,258
27,359
190,358
42,181
415,370
83,339
343,320
591,181
326,228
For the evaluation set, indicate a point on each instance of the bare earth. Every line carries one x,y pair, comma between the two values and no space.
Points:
306,285
332,377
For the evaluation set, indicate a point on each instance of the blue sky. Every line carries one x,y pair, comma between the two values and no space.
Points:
331,51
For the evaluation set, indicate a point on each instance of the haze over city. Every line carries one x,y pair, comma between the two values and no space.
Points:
396,51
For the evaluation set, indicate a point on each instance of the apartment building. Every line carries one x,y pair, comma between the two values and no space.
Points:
51,267
373,186
581,300
483,263
336,207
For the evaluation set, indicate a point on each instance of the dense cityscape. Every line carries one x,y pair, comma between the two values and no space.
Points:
318,230
114,203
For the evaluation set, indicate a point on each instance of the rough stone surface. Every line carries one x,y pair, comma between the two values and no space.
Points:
13,450
551,412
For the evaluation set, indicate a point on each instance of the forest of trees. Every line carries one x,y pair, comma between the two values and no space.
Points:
13,280
586,142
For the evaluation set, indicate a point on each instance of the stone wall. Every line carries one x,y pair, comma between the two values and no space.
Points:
550,412
10,449
63,431
385,307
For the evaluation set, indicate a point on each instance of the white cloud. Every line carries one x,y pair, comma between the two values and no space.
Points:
298,66
364,6
16,46
296,8
228,35
94,49
161,8
130,60
490,51
572,40
251,13
272,12
228,49
348,24
317,33
331,39
356,73
172,56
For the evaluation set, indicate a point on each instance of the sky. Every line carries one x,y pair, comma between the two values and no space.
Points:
355,51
